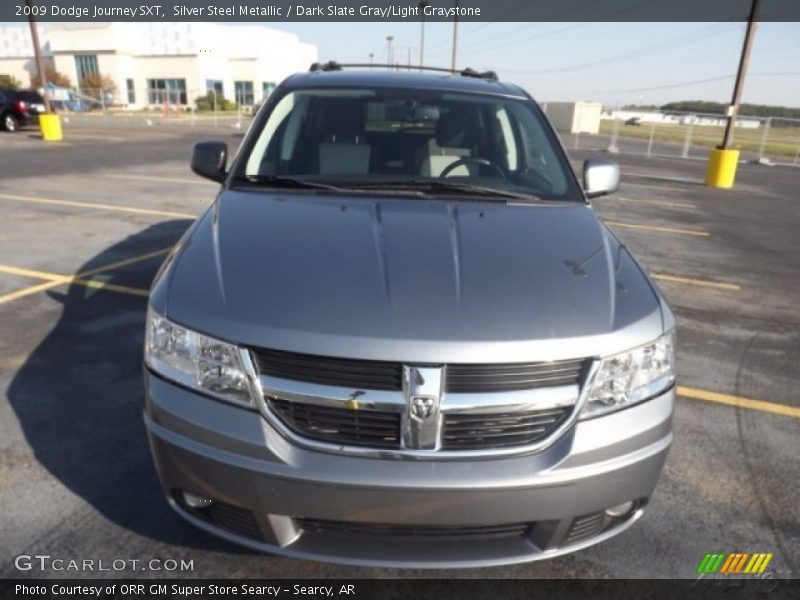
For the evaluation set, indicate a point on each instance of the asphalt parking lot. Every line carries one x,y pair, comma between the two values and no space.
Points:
85,224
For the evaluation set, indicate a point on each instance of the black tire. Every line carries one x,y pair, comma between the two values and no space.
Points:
9,123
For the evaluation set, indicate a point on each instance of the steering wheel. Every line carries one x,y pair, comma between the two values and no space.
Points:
475,161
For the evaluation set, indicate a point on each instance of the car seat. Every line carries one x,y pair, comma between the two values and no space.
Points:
458,134
343,149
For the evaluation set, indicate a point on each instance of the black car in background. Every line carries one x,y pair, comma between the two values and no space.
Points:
19,108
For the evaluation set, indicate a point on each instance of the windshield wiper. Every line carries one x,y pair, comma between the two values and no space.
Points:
289,182
466,188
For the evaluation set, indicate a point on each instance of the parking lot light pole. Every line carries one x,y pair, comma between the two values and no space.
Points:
422,5
723,160
455,37
49,123
389,40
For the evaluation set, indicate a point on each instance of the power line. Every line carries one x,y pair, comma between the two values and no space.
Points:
567,28
552,17
546,34
665,45
693,82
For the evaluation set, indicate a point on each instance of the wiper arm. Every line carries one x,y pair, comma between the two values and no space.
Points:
291,182
433,184
477,189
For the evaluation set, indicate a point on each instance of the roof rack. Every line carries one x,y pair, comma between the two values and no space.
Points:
332,65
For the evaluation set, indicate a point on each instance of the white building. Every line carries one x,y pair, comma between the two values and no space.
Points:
678,119
151,63
574,117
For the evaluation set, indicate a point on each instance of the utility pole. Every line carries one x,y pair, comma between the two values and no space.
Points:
37,53
733,110
371,55
422,5
455,37
723,160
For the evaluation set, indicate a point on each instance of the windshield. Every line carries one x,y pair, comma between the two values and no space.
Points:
387,137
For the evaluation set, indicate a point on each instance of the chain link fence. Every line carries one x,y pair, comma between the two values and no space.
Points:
150,107
769,140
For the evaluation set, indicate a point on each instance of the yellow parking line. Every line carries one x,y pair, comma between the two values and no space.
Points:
34,289
740,402
56,279
124,262
700,282
31,273
111,287
659,228
113,207
181,180
657,187
654,202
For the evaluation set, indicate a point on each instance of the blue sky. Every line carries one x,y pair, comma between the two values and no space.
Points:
613,63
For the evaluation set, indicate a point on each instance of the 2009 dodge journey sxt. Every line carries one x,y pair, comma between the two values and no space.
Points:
402,336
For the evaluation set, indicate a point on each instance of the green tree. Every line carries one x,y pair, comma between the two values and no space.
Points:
9,82
206,103
53,77
95,84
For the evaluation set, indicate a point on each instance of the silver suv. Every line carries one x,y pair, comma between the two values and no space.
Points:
402,336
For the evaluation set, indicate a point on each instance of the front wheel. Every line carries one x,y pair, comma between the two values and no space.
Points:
9,122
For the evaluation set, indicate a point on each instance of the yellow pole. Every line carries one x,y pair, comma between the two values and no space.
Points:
722,162
49,122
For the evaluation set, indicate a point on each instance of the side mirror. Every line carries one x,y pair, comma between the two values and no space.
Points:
209,160
600,177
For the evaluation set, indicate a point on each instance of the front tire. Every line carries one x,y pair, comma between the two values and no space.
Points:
9,122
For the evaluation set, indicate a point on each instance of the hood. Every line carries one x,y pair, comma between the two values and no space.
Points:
407,279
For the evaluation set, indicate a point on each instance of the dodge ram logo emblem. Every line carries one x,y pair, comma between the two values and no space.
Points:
422,407
423,388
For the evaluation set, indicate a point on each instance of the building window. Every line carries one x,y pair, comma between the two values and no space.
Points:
214,85
244,92
131,91
85,64
172,91
267,87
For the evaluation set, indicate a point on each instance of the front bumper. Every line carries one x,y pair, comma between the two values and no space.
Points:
274,496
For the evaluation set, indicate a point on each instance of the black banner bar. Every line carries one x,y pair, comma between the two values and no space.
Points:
400,589
395,10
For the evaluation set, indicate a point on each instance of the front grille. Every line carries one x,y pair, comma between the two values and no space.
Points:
343,372
371,428
435,532
485,431
385,375
465,378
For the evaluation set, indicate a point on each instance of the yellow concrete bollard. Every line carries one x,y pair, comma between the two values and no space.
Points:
721,170
50,124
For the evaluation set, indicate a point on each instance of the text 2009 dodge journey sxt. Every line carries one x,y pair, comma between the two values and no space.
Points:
401,336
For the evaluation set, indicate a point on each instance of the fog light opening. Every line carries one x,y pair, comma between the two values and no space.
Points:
194,501
620,510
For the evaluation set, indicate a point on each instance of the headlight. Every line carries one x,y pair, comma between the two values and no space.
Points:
195,360
630,377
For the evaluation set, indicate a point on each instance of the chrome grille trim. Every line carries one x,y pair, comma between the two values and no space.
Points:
569,397
461,378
